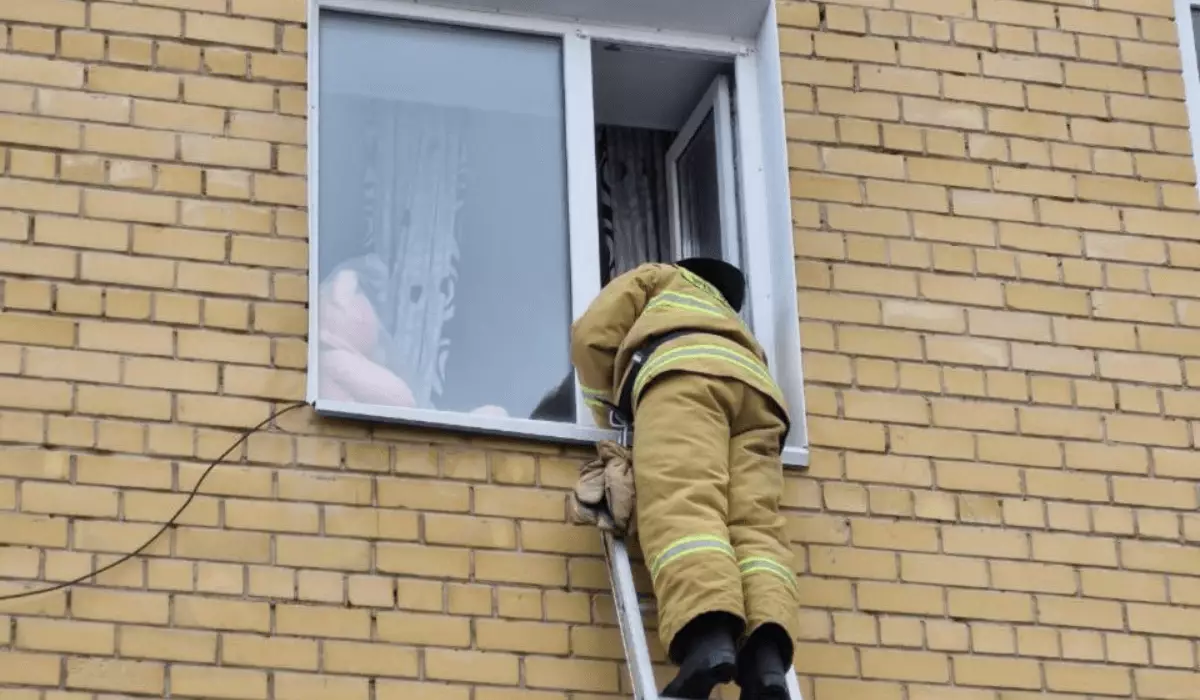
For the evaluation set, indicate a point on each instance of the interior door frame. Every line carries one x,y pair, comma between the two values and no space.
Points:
718,101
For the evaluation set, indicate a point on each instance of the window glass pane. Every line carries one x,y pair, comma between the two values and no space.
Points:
443,259
699,194
1196,31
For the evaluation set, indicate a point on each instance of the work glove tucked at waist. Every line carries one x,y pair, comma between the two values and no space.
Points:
604,495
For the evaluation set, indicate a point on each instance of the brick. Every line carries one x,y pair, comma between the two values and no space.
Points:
1157,556
1146,430
278,67
324,488
235,153
223,279
469,531
571,674
65,13
82,233
1088,678
168,644
36,330
275,517
1111,458
39,196
35,131
424,629
211,613
1161,619
527,637
210,682
228,30
224,347
371,523
138,20
893,535
879,406
925,198
245,547
369,659
997,672
990,605
65,636
1154,493
323,553
939,569
129,206
987,542
471,666
40,71
899,598
220,411
1074,549
269,9
129,403
509,567
322,622
1168,685
29,669
41,261
1123,585
1076,612
420,560
126,141
219,92
1045,298
136,83
969,351
115,675
917,666
295,686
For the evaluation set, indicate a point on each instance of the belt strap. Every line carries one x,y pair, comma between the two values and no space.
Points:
636,362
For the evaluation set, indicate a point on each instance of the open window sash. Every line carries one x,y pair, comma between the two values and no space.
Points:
701,168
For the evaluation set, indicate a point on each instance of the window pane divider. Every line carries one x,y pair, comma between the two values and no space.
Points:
582,208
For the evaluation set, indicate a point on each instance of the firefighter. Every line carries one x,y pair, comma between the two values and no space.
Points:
663,345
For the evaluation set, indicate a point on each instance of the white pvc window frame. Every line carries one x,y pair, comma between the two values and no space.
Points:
1188,41
764,211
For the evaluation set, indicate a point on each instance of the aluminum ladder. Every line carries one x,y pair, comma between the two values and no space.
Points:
633,634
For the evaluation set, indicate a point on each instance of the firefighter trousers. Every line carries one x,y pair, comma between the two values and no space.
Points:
709,478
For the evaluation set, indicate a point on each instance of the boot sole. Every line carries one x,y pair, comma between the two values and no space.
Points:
698,684
772,686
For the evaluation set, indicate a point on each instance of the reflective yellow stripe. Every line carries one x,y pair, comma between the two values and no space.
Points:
593,393
686,546
714,352
669,304
766,565
704,286
679,299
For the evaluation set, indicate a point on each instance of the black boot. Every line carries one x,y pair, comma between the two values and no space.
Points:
706,652
763,664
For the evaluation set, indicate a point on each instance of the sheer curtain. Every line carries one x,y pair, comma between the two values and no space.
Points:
633,198
412,194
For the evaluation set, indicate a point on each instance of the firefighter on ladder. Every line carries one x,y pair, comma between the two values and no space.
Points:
664,345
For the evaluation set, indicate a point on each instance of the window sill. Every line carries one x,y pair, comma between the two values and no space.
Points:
521,428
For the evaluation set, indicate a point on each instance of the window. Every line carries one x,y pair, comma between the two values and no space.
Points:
476,177
1187,15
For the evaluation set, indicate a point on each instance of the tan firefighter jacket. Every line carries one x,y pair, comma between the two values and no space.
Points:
647,302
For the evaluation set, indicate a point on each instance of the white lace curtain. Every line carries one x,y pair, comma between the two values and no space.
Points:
412,193
633,198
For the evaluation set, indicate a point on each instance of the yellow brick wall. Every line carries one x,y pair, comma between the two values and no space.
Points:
999,256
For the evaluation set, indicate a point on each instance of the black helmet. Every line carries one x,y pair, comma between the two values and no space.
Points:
728,280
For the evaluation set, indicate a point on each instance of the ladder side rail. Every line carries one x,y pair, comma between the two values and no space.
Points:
629,617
